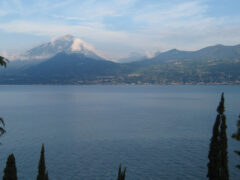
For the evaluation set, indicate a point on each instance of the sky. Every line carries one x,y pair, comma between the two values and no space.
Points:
117,28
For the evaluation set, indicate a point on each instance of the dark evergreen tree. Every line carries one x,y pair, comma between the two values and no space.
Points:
42,174
10,171
237,137
121,174
218,155
224,172
46,176
214,153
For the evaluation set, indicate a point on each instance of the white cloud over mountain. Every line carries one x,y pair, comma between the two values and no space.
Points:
67,44
117,28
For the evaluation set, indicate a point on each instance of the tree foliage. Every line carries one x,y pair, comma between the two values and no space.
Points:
218,155
3,61
121,174
10,171
46,176
42,174
237,137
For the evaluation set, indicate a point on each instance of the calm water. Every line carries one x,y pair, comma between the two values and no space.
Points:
158,132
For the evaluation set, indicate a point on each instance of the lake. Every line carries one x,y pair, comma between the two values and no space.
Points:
157,132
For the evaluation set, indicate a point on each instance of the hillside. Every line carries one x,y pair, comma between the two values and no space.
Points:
211,65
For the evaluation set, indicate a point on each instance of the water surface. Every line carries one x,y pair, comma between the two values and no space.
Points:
158,132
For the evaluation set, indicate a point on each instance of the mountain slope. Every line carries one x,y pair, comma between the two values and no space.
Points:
43,52
216,64
218,52
67,68
133,57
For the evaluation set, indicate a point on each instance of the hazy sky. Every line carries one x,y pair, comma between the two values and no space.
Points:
118,27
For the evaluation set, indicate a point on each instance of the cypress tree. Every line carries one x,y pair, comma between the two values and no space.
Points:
218,155
224,173
42,174
237,137
46,176
121,174
214,153
10,171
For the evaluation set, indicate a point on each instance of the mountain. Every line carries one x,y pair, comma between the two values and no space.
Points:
67,68
211,65
18,66
67,44
214,64
133,56
36,55
209,53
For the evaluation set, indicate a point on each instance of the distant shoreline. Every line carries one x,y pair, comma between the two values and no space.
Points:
121,84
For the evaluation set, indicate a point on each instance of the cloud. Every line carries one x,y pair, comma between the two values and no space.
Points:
79,45
155,25
3,13
70,18
87,30
174,16
9,55
93,32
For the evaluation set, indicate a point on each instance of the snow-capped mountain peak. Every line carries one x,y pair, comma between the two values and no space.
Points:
67,44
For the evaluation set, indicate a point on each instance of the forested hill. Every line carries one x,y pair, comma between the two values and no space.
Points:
211,65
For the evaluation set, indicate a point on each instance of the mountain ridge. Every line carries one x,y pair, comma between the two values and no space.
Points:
211,65
216,52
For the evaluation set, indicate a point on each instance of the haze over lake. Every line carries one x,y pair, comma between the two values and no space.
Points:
157,132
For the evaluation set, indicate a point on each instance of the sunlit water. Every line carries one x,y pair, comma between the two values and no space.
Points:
157,132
